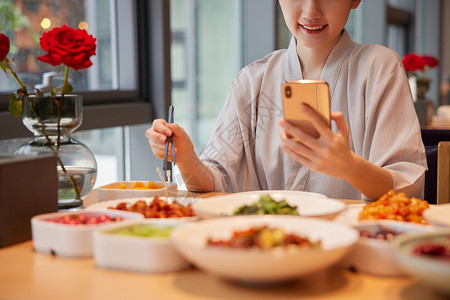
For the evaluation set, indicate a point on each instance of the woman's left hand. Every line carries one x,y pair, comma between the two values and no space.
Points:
330,153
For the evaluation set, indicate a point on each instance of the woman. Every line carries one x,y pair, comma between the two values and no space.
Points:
374,144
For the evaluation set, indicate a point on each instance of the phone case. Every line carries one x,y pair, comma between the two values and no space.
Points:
315,93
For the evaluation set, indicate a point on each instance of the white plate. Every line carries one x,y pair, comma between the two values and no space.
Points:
258,265
431,271
350,215
148,200
439,215
309,204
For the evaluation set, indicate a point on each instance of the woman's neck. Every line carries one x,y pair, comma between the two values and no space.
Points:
312,60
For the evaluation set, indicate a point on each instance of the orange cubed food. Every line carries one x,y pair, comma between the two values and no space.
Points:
139,186
122,186
151,185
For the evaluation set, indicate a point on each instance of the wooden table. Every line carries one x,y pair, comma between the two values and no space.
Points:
25,274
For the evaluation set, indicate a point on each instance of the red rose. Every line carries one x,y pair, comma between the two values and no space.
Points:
4,46
430,61
71,47
413,62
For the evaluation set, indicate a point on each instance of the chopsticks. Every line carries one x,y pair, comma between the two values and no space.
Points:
167,167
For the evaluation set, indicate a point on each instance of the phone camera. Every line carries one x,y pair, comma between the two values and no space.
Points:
288,92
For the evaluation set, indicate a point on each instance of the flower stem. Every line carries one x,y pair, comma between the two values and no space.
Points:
59,104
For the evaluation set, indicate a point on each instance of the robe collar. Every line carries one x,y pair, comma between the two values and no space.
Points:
332,67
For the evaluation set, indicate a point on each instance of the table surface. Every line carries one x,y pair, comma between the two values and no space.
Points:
26,274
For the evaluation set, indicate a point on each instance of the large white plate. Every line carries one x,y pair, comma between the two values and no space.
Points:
258,265
308,204
438,216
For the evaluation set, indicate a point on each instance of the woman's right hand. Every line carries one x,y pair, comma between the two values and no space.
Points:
161,131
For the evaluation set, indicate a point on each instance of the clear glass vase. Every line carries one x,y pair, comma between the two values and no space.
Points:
52,119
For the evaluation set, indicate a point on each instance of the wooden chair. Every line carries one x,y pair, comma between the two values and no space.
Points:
443,173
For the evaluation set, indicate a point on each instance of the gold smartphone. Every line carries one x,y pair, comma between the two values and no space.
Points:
315,93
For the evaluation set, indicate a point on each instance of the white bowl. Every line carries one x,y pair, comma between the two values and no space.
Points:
130,201
135,253
309,204
439,215
376,257
69,240
111,191
431,271
257,265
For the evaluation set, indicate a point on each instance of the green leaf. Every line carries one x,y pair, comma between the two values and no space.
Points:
15,106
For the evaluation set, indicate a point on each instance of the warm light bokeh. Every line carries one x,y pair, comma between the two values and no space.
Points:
83,25
46,23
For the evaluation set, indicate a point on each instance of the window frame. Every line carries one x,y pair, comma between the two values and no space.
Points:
143,39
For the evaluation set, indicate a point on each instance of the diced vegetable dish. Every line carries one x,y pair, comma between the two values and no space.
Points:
266,205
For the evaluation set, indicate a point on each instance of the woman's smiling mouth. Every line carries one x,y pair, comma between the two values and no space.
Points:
313,29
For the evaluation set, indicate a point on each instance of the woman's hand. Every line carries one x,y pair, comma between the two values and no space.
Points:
195,173
330,153
158,134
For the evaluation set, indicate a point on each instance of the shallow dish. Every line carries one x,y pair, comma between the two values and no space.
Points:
350,215
137,253
439,215
309,204
112,191
257,265
70,240
130,201
375,256
431,271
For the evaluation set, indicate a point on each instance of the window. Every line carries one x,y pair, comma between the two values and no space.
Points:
205,56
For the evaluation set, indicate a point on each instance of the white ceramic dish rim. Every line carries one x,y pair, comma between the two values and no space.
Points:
440,215
42,219
404,244
206,206
246,221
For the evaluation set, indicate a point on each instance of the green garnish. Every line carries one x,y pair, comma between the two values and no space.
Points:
267,206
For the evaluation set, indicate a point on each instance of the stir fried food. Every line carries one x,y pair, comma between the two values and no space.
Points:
396,207
158,208
266,205
264,237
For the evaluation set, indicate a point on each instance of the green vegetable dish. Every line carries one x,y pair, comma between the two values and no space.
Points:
145,231
267,206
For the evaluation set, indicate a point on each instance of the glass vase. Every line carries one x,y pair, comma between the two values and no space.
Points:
52,119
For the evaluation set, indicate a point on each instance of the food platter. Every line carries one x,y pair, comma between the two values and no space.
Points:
110,204
263,265
309,204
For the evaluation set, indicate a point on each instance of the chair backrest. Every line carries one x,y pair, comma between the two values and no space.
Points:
443,173
430,189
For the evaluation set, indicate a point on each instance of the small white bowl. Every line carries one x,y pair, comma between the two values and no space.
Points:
308,204
259,265
136,253
439,215
69,240
375,256
431,271
112,191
